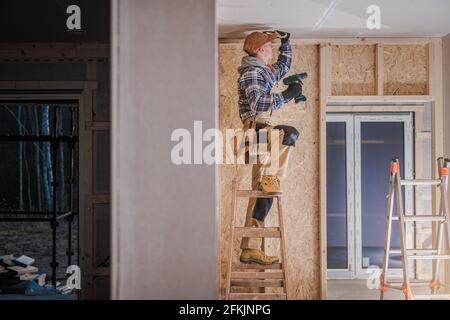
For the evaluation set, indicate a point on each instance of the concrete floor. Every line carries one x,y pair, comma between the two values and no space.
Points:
24,297
357,290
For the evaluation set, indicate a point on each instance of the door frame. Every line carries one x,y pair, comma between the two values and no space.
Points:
349,145
353,160
80,92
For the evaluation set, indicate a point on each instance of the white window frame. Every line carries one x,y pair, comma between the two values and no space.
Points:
349,144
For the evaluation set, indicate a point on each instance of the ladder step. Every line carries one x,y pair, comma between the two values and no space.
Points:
413,283
257,283
432,296
420,182
257,232
422,218
258,296
257,275
254,194
429,257
257,266
414,251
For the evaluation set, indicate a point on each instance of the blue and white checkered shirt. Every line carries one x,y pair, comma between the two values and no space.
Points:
257,80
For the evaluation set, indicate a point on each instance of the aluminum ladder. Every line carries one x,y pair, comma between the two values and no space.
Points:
436,254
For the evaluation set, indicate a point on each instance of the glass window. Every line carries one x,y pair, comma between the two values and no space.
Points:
337,251
380,142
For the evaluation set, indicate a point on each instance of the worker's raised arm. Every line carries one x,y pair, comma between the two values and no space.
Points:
283,64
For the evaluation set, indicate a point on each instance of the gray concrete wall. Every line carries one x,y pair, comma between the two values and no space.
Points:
164,215
446,86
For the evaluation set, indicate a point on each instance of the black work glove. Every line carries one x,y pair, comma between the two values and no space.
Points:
283,35
293,90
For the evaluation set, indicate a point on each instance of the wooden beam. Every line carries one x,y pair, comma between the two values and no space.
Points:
254,194
380,69
372,108
258,296
100,198
325,91
346,41
102,272
257,232
256,266
379,99
47,85
435,87
86,217
257,275
257,283
98,125
25,97
54,50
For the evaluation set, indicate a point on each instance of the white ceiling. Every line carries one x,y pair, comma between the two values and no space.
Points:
334,18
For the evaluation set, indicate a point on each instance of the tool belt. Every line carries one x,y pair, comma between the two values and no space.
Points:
261,138
249,124
256,123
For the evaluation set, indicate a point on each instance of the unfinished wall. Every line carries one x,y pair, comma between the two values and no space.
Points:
406,69
301,203
353,71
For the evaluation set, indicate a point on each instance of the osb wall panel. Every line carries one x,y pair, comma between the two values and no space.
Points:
301,197
406,69
353,71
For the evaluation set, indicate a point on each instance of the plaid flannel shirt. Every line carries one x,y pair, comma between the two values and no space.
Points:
256,82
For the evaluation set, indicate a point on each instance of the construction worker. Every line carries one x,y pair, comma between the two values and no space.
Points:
257,78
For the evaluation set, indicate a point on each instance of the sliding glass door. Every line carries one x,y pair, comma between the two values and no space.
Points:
359,149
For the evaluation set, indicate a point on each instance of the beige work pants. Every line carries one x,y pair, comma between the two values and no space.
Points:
266,165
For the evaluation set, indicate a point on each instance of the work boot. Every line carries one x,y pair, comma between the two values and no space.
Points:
257,256
270,185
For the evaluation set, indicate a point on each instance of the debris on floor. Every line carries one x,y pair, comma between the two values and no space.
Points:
64,289
19,276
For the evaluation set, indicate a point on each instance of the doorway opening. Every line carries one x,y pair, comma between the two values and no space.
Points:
359,149
39,184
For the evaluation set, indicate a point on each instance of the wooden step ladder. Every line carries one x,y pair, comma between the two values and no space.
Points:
435,254
252,274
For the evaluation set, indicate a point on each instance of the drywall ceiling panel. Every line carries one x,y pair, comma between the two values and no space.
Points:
333,18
